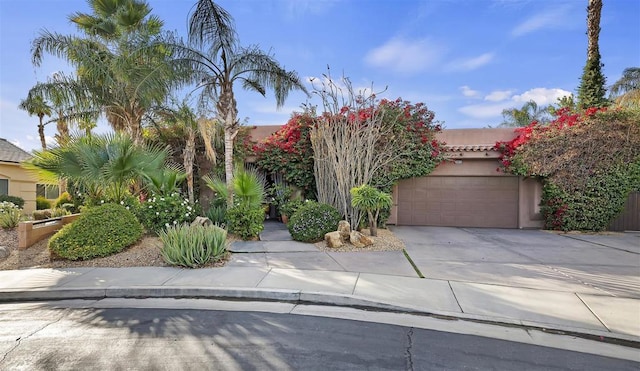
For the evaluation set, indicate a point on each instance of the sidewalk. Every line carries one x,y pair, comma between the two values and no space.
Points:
277,270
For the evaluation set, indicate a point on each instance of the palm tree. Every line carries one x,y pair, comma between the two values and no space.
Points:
184,118
218,62
591,92
528,113
37,105
626,91
106,165
120,65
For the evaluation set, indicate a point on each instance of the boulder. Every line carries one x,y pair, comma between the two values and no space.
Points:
200,220
357,239
345,230
333,239
4,252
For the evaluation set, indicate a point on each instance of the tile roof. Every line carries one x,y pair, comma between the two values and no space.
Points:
9,152
470,148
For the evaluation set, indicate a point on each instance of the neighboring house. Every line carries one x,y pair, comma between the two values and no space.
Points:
14,180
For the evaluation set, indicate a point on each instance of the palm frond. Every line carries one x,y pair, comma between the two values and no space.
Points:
210,24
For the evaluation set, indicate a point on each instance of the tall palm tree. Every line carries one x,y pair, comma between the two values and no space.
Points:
218,62
120,65
626,91
591,92
37,105
525,115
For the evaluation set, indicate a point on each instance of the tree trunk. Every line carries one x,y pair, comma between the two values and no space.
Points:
373,226
41,133
189,156
63,129
594,9
228,112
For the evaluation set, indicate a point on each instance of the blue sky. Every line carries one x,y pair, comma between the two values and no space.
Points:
465,59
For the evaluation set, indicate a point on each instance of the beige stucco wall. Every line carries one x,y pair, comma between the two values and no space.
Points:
22,183
530,194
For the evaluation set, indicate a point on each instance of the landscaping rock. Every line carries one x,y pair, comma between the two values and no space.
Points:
334,239
344,228
4,252
200,220
357,239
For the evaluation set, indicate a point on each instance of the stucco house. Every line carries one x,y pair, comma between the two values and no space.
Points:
14,180
468,190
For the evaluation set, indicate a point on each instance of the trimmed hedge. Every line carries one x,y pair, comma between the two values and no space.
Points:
99,231
312,221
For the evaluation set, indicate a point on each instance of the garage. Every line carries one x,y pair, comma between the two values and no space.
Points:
459,201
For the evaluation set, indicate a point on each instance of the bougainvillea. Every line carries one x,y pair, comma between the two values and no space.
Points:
414,136
588,163
288,152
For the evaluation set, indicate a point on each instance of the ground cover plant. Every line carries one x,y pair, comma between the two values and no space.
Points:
98,231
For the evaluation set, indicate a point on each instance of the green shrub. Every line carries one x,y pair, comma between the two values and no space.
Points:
64,198
312,221
245,221
58,211
42,214
42,203
10,215
99,231
18,201
192,245
160,212
217,215
290,207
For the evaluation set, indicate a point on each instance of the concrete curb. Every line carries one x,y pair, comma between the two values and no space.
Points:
299,297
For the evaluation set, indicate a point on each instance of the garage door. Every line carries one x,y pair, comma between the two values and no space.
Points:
459,201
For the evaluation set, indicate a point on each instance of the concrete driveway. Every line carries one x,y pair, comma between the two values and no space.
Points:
596,264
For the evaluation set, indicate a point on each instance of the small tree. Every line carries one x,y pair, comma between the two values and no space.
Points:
370,200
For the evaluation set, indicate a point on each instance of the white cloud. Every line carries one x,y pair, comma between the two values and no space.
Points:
502,99
484,110
468,92
470,64
406,56
550,18
498,95
542,96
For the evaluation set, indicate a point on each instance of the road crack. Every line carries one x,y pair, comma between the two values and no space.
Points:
21,338
407,353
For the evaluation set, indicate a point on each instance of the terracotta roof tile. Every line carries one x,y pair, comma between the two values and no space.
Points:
470,148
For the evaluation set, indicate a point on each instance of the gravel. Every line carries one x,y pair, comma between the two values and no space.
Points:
385,241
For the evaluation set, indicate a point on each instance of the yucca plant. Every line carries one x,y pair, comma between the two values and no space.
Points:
193,245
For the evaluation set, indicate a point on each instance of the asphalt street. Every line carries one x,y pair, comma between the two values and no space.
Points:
55,337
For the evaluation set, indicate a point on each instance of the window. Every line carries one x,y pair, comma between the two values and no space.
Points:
4,187
47,191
